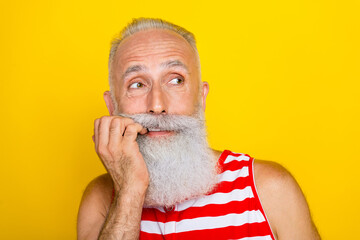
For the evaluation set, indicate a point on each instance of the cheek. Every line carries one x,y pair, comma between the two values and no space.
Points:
182,103
132,105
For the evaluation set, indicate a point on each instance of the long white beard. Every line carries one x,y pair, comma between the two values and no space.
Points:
181,166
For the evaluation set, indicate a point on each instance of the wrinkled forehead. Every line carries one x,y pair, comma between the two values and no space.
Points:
153,47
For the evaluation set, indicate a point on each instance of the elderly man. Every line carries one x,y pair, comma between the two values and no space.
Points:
163,181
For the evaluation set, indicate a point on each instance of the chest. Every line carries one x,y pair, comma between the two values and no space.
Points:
230,212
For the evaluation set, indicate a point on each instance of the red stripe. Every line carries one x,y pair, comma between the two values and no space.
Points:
226,187
225,154
214,210
151,236
235,165
211,210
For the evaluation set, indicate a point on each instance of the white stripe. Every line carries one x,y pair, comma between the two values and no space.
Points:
268,237
202,223
230,176
240,158
217,198
152,227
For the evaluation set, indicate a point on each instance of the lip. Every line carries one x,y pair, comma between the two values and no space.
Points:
159,133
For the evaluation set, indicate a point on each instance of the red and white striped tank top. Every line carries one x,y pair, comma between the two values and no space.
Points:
232,211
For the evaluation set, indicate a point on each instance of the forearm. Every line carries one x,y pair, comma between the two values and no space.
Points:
115,143
123,219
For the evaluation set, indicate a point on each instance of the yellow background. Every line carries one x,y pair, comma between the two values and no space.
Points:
284,86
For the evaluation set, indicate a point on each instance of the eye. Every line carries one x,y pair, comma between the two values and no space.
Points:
136,85
176,81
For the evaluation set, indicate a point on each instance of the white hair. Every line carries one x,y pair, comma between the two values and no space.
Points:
142,24
181,166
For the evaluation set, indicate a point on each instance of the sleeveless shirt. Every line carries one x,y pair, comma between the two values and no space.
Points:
231,211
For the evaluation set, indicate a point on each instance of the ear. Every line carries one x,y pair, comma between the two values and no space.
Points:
204,93
109,102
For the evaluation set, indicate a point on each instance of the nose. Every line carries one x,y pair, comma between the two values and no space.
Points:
156,101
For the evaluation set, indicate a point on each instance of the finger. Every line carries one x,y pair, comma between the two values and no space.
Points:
116,131
96,133
144,131
104,132
132,131
126,122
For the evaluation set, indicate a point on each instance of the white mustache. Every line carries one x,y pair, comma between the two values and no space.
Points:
178,123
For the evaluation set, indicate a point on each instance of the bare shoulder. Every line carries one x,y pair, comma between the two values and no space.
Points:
100,187
271,175
94,206
283,201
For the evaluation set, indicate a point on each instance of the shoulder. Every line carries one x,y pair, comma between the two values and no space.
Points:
99,190
94,205
271,175
102,183
283,201
277,189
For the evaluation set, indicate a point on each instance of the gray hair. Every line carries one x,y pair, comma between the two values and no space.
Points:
142,24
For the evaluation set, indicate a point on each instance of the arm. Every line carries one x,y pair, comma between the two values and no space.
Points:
284,203
123,220
115,143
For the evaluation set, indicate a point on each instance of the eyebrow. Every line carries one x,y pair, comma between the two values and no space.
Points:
142,68
133,69
174,63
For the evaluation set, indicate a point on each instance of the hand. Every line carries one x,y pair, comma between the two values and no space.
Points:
115,144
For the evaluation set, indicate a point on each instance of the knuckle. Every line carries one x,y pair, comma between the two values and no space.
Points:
114,150
101,150
116,122
138,125
131,120
104,118
96,122
116,126
128,120
130,129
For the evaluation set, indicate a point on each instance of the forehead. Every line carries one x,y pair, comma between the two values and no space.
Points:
153,46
